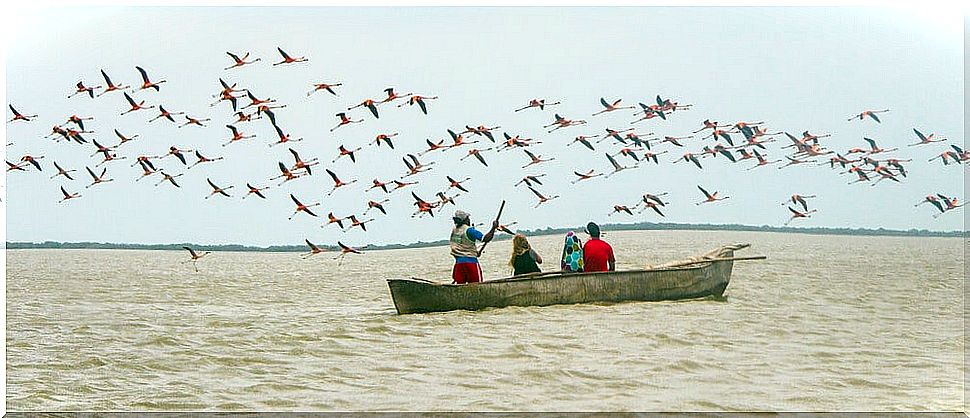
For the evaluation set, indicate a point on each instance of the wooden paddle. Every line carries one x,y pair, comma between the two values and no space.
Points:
497,217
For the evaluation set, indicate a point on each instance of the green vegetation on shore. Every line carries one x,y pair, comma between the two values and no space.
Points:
643,226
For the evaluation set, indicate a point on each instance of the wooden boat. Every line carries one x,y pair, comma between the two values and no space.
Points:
698,277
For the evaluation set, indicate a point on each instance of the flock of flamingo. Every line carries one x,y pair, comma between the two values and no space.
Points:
735,143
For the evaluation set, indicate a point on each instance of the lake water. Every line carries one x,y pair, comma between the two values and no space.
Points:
825,323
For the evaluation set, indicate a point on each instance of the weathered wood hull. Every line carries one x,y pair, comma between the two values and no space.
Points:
701,280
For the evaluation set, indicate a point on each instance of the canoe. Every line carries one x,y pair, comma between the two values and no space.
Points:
697,277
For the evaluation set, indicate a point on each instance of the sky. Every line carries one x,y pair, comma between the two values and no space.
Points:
796,69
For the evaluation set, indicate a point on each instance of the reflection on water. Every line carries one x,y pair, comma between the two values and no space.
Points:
826,323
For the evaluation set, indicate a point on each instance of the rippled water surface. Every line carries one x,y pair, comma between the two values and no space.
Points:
826,323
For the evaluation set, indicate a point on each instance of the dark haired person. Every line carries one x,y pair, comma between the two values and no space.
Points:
463,248
597,254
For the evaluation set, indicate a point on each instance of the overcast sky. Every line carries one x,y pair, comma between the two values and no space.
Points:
795,68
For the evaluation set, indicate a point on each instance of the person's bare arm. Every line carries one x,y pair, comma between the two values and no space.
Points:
536,256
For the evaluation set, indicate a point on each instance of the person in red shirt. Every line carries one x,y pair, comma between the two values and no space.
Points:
597,254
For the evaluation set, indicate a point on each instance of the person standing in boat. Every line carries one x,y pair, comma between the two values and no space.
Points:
524,259
463,248
597,254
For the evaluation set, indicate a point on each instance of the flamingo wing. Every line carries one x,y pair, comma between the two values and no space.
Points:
708,195
66,195
144,75
604,103
130,100
920,135
283,53
312,247
613,161
191,251
481,159
874,117
107,79
333,176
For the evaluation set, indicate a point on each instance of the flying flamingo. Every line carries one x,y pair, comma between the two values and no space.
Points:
287,59
647,204
923,139
195,257
287,175
134,106
963,155
674,139
620,208
236,135
415,166
950,202
193,121
540,103
708,124
794,161
101,148
337,183
344,120
146,171
146,83
110,86
239,62
32,160
535,159
542,199
481,130
62,172
933,200
122,139
401,184
255,190
516,142
423,206
608,107
649,112
77,120
284,137
796,214
583,140
477,153
203,159
529,179
331,219
562,122
689,157
944,155
376,205
168,178
226,95
68,196
177,153
370,105
720,133
798,199
246,117
355,222
383,137
433,146
874,149
629,152
254,101
217,189
110,157
452,183
710,197
97,179
144,161
344,250
18,116
324,86
19,166
443,199
377,184
300,207
302,165
342,151
165,114
869,113
615,134
81,88
585,176
647,156
616,166
861,174
391,95
419,100
314,250
884,173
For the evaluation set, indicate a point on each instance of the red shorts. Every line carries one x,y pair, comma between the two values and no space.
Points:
466,273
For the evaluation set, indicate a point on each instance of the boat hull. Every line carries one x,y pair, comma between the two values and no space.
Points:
698,281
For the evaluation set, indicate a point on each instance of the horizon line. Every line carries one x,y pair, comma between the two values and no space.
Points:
642,226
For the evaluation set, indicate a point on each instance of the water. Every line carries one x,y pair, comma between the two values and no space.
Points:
826,323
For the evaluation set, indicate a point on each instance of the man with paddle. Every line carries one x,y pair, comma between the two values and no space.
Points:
463,248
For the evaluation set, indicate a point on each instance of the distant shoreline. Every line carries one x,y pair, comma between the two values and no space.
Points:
647,226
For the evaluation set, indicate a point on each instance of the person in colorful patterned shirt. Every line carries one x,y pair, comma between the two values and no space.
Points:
463,248
572,254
